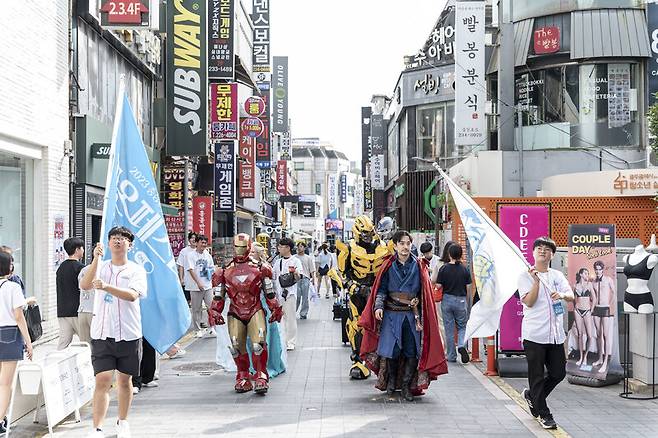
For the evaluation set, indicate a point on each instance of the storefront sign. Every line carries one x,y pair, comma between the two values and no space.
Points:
252,127
470,84
254,106
367,195
333,225
273,196
202,216
59,253
440,44
306,209
399,190
280,94
282,177
358,197
652,69
263,146
187,73
224,111
224,176
247,168
522,224
428,86
366,147
221,63
124,13
620,95
638,183
377,138
284,146
173,177
100,150
261,37
343,188
547,40
332,196
592,267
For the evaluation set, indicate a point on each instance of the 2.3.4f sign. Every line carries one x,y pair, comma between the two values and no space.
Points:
125,13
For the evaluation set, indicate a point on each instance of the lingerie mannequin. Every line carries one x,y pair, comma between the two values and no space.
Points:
639,266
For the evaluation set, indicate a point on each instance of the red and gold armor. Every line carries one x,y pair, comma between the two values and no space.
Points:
244,279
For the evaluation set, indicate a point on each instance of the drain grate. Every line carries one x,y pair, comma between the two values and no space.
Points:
202,368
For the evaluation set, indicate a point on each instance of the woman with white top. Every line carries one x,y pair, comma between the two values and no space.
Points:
324,263
14,337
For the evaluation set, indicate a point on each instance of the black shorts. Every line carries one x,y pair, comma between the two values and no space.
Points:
123,356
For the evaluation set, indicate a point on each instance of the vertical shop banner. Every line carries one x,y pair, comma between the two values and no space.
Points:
470,84
343,188
224,111
284,146
247,168
332,196
592,339
224,176
652,64
173,179
187,78
261,52
202,216
59,254
522,224
366,148
377,138
221,63
280,94
282,177
263,146
367,195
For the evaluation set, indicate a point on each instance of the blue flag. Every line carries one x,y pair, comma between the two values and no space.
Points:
132,200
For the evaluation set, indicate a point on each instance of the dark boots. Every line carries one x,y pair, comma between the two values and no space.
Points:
410,367
393,365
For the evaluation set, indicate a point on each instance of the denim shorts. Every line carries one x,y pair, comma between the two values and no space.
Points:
11,343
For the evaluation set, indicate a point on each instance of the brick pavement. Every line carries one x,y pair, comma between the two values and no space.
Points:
314,398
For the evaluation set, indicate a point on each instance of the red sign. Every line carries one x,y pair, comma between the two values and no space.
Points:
124,11
547,40
202,216
282,177
252,126
224,111
254,106
247,167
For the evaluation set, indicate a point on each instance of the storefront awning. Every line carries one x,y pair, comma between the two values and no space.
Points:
609,33
522,38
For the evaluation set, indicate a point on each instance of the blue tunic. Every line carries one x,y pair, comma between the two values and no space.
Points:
399,278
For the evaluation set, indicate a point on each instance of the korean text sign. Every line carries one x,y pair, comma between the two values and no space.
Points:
221,63
225,176
224,111
247,168
202,216
470,84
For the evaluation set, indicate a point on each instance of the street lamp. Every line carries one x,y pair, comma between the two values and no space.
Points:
437,207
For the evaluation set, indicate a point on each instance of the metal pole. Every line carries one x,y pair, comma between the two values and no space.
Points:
519,145
437,214
186,180
505,76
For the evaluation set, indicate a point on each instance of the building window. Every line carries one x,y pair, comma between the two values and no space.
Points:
579,106
404,146
318,188
299,165
393,146
435,133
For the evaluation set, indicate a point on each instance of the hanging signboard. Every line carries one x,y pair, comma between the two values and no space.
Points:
332,196
470,84
343,188
254,106
547,40
261,37
377,138
125,13
282,177
280,94
224,111
202,216
652,64
247,168
221,62
224,176
252,127
187,76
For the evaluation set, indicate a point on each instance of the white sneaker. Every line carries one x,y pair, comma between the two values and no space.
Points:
200,333
96,434
211,332
179,353
135,390
123,429
152,384
290,347
156,376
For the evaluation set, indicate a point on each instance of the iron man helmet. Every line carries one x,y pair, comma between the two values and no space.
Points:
242,244
363,229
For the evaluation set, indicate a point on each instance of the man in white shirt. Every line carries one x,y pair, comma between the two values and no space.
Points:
542,291
199,267
307,273
286,274
116,327
183,275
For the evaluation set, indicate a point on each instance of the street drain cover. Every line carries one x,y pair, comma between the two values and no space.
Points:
198,367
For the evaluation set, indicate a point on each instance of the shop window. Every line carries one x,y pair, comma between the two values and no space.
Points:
579,106
404,146
393,153
435,131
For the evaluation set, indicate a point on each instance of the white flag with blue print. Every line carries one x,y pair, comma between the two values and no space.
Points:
132,200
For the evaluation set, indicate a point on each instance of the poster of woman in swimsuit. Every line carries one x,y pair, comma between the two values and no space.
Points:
592,341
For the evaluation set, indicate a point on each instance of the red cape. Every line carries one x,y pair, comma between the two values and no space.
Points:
432,361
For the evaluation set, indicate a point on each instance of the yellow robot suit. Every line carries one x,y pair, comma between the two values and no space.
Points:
358,262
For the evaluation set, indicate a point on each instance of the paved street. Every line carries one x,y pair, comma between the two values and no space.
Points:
314,398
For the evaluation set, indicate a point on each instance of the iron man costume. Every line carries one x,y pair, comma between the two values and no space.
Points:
244,280
358,262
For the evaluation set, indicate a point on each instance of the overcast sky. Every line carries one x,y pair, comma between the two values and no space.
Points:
340,53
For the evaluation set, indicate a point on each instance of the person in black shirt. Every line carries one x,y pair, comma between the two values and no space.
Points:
454,277
68,291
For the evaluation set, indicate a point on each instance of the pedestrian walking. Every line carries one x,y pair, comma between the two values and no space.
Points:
147,367
183,275
286,273
68,291
14,336
454,278
116,328
542,290
199,265
15,277
433,264
85,310
324,262
307,273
